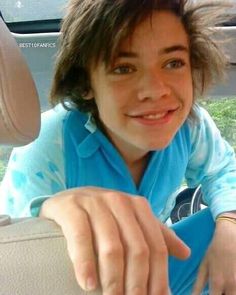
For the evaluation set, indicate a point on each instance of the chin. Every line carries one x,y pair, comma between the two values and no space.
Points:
156,145
160,145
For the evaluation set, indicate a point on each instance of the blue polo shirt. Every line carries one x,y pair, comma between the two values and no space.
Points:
72,152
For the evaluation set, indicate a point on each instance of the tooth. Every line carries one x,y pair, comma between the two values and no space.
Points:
156,116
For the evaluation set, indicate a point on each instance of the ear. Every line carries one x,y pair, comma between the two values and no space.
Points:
89,95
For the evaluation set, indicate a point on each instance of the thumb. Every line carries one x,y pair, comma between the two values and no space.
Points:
176,247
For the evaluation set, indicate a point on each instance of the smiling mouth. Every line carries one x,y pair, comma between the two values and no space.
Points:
153,116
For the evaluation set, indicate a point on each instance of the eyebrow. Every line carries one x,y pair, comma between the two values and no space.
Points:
165,50
174,48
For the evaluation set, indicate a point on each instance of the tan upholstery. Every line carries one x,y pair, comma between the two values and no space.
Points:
19,104
34,259
33,254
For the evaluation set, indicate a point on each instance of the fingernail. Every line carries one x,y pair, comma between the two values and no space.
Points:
90,284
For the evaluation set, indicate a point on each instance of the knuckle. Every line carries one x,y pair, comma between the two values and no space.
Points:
118,200
137,290
161,291
162,288
121,199
112,250
232,282
72,199
113,195
80,237
160,251
74,252
141,200
141,252
217,282
113,198
112,287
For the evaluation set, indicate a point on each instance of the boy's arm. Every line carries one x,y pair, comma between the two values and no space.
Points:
34,171
212,164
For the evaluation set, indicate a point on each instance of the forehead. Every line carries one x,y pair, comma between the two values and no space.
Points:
160,29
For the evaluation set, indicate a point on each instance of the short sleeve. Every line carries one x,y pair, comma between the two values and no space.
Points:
212,164
35,171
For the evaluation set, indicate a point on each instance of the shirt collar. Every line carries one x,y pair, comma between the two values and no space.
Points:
90,144
90,125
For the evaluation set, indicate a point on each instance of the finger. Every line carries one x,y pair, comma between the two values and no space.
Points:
201,279
158,276
176,247
216,283
78,234
136,248
109,249
230,285
216,291
229,290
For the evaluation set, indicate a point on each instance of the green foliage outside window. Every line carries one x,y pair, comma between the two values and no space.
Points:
5,152
223,112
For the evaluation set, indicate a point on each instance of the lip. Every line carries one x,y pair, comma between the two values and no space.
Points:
151,112
162,117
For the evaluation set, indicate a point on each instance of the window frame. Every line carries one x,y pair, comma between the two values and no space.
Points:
36,26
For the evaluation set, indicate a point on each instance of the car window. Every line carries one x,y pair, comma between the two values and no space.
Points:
30,10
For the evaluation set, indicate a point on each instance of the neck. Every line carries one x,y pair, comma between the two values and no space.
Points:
135,158
137,169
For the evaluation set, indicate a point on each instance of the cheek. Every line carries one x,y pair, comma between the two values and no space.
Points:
190,86
107,104
187,91
114,97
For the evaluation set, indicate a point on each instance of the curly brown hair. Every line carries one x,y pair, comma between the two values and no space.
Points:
93,29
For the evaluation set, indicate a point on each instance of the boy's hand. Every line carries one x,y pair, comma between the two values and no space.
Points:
115,239
219,264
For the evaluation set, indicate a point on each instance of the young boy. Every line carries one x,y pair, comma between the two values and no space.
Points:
107,168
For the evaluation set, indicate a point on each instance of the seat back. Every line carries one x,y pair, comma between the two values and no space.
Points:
34,259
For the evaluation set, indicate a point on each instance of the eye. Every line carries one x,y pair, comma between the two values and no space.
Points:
175,64
123,69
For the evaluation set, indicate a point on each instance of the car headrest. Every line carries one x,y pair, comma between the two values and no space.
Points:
19,103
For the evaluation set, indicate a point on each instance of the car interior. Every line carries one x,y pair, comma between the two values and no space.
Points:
33,252
29,247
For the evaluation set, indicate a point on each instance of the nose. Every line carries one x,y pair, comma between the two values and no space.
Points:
153,86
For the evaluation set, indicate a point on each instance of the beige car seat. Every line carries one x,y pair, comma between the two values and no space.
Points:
33,254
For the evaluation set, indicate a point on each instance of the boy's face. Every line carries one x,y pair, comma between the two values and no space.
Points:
146,94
